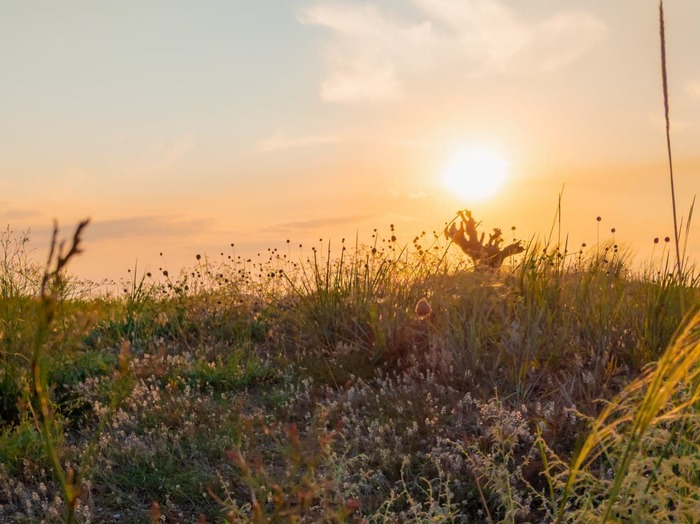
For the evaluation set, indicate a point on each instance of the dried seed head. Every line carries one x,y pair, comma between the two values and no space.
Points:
423,308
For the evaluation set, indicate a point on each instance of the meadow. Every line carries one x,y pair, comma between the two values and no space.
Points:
352,382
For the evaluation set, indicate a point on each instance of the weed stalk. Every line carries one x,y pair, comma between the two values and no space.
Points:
664,77
49,293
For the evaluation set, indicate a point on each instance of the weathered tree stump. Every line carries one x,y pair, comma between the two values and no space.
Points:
483,253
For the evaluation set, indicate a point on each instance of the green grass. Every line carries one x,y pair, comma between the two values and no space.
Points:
309,388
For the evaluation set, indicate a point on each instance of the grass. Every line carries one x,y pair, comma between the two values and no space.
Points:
375,383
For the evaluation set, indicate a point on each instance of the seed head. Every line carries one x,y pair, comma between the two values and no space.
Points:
423,308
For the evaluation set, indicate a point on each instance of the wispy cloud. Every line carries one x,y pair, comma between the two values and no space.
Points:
282,141
162,156
316,223
366,55
9,212
147,226
373,53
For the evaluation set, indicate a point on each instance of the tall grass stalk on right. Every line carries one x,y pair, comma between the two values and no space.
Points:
639,461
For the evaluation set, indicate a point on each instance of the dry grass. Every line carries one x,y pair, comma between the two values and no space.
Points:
302,388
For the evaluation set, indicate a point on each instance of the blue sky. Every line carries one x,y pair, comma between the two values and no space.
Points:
182,126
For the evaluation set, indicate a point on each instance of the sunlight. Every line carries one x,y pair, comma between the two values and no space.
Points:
475,173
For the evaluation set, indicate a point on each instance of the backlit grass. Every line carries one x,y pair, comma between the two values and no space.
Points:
374,382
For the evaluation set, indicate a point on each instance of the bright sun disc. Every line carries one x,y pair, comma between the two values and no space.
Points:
475,174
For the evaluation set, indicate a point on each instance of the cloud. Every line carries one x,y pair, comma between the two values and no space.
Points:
367,52
163,156
372,53
146,226
309,225
282,141
10,212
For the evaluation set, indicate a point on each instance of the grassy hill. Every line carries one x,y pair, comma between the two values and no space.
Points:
376,382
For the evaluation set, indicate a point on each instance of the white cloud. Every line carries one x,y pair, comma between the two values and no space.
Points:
372,53
563,38
368,50
282,141
364,81
162,156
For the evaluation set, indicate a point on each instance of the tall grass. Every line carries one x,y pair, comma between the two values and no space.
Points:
664,400
49,293
666,396
664,81
449,392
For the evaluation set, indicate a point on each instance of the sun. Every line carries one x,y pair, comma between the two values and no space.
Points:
475,173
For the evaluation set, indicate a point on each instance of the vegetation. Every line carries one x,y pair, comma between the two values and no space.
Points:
376,383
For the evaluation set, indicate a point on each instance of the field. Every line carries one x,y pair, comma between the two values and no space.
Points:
376,383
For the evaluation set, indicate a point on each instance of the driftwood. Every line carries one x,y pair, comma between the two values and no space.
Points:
483,254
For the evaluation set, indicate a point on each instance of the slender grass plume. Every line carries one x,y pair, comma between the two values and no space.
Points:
664,80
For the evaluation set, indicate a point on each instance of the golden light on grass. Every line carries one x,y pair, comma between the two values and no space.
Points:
475,173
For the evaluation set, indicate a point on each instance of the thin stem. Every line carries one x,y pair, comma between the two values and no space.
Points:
679,264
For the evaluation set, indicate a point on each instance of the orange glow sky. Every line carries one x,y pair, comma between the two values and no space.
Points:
183,126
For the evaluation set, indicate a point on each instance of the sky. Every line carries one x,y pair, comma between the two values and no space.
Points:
182,127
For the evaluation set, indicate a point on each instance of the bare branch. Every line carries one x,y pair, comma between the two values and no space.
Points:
489,254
